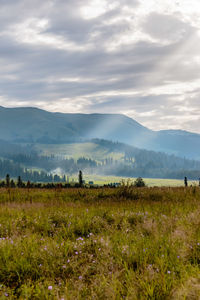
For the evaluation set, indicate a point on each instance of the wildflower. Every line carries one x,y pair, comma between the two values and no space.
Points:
178,256
50,287
80,277
5,294
169,272
64,267
68,260
76,252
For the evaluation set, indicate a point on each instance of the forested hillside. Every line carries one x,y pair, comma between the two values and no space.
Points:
116,159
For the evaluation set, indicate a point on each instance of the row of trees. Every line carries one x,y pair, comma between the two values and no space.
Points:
107,167
10,183
52,162
15,170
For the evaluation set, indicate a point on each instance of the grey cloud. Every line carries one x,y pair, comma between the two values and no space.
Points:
32,72
168,27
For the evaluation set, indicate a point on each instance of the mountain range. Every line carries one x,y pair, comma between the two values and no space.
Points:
33,125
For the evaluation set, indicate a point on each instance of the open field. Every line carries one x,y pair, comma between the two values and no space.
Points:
123,243
77,150
150,182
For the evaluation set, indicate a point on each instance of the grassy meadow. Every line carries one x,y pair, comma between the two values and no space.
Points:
77,150
150,182
123,243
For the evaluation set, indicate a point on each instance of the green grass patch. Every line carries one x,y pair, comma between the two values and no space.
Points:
151,182
77,150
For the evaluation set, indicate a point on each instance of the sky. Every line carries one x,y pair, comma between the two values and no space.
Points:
140,58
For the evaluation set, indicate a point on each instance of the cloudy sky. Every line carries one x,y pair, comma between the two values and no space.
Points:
136,57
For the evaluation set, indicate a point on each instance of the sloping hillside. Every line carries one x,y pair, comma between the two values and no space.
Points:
32,125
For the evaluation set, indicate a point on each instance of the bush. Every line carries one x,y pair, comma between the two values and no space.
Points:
139,182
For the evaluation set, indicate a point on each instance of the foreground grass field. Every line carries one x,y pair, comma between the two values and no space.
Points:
121,243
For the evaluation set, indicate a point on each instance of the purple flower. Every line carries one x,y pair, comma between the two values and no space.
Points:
80,277
50,287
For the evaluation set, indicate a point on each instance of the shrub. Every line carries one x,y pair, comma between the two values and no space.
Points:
139,182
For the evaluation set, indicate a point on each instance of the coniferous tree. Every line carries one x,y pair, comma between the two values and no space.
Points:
185,182
19,182
80,178
7,180
12,183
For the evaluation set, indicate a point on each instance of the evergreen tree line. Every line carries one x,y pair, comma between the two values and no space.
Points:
10,183
15,170
52,162
133,161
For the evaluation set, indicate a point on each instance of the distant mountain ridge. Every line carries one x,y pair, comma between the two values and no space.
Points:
33,125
